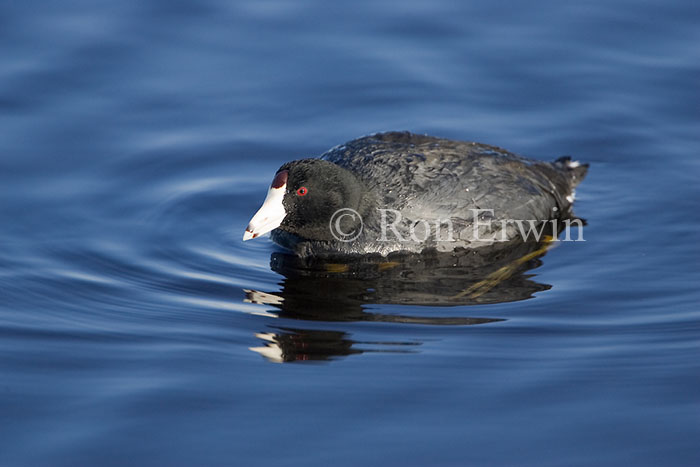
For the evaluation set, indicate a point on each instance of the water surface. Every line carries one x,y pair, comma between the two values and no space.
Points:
137,328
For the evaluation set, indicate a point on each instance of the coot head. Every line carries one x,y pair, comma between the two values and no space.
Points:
303,197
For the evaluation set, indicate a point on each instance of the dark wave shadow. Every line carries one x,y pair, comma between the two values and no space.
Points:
342,290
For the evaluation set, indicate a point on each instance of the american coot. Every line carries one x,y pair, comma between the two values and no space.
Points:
400,191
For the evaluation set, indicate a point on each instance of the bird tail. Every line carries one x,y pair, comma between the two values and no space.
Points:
576,170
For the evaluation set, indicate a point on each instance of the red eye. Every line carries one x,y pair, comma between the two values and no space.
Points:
302,191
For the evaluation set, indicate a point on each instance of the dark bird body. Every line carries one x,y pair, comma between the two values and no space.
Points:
434,185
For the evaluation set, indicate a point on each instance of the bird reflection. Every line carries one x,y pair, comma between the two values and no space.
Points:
298,345
343,290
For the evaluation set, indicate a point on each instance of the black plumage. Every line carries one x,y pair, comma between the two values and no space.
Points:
428,182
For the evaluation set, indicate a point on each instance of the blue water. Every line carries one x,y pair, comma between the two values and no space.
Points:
136,328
